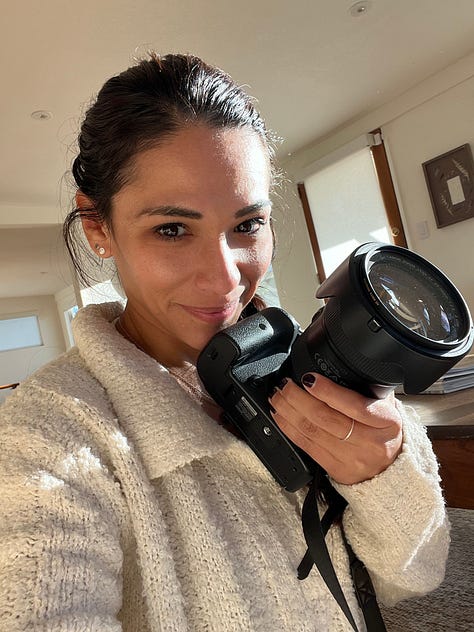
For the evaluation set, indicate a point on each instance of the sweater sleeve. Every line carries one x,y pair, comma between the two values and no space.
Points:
60,551
396,522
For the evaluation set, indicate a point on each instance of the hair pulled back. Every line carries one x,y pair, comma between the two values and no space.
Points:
138,109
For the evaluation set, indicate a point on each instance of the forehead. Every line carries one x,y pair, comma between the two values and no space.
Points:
200,162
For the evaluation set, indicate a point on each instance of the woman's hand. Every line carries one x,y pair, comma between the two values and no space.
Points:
351,436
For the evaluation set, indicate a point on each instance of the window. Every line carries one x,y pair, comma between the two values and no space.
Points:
268,291
20,332
347,207
68,318
348,199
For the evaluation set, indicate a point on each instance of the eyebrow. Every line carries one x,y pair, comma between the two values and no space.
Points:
179,211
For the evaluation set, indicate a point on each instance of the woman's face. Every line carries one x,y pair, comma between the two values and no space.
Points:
191,236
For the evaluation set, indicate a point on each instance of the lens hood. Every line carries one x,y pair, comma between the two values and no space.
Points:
391,318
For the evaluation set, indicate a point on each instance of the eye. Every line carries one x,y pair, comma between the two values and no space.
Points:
251,226
170,231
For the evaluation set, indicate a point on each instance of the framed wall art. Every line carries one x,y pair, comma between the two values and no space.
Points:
450,181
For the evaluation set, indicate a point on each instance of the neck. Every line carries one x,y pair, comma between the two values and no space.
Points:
127,326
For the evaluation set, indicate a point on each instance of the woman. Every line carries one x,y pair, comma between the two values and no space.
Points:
128,505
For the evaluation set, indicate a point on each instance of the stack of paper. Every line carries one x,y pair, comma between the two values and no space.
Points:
460,376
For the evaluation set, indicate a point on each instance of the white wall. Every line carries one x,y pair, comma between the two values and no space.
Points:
436,126
293,267
431,118
16,365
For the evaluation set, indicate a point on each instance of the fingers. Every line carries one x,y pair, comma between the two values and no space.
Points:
309,413
352,437
377,413
332,454
350,431
332,407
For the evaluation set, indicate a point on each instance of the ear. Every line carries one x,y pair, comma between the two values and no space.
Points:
95,229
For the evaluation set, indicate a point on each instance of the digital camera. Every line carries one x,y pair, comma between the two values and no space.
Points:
391,319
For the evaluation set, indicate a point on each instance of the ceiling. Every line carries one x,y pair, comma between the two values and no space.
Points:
312,66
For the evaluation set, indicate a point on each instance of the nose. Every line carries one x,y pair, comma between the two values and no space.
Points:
218,268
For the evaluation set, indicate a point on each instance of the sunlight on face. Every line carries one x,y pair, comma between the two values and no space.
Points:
191,236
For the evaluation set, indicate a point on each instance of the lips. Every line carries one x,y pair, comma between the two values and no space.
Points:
213,314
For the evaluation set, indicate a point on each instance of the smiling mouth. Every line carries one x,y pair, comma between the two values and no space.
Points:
212,314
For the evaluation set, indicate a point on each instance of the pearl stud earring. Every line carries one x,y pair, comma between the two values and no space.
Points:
100,250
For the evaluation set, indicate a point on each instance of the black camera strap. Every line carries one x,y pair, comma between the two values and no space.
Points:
315,530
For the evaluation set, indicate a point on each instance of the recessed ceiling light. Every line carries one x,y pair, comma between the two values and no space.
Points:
359,9
41,115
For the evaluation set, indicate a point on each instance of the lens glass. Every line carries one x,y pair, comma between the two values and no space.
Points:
418,296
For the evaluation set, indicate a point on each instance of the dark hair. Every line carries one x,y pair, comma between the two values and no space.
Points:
138,109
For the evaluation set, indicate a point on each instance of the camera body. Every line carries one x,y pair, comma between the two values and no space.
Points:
239,367
391,319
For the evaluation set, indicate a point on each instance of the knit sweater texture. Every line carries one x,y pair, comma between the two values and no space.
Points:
125,507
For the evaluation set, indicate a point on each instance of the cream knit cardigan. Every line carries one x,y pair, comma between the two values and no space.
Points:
125,507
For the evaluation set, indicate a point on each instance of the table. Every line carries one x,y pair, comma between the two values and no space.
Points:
449,420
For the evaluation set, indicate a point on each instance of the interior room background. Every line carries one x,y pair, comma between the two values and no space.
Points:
428,117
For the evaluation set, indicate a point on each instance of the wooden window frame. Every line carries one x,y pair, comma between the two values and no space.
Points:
389,198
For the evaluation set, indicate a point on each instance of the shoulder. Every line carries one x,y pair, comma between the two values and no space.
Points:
60,423
56,405
73,375
66,376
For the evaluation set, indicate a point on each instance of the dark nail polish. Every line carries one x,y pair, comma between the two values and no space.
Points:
272,409
282,383
308,379
272,392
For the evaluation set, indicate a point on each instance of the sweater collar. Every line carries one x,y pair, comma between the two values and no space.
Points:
166,426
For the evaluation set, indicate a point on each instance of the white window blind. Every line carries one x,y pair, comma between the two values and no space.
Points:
346,206
20,332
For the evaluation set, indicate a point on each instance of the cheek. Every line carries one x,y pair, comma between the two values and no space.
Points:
260,259
141,267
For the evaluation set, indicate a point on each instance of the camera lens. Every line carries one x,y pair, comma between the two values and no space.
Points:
417,297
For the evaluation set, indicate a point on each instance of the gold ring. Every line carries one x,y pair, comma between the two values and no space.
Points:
350,432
